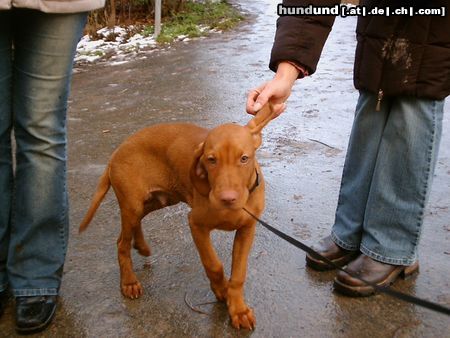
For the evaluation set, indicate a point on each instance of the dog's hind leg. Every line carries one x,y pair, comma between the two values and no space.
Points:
129,284
139,241
157,199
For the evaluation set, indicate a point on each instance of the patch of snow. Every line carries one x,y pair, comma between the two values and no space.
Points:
116,45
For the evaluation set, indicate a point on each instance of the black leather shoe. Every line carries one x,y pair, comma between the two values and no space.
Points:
3,301
327,248
370,270
34,314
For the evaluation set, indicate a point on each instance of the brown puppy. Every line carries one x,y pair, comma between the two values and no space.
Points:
215,172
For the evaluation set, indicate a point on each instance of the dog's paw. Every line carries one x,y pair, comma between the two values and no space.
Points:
220,292
132,290
244,319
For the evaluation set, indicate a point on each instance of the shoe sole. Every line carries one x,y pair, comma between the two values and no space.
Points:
319,265
36,329
365,291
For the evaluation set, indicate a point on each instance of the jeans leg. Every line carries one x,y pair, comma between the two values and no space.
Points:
402,180
44,47
6,173
360,160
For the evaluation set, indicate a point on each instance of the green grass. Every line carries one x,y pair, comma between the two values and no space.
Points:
220,15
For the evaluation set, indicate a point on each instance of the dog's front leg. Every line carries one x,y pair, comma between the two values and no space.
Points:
241,315
213,266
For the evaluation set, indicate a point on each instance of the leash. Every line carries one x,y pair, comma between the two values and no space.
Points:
386,290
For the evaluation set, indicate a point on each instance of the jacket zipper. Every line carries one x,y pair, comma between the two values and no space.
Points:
380,91
380,97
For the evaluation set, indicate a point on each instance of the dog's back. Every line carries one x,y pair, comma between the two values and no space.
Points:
147,166
159,156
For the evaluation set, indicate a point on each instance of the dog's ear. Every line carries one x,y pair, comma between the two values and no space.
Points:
198,173
261,119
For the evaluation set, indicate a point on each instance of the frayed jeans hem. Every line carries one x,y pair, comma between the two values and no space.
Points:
35,292
343,244
388,260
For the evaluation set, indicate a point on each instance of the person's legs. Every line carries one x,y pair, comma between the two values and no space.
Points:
44,47
402,180
398,193
6,175
367,130
342,245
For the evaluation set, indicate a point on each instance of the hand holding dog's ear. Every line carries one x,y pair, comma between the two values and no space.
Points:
277,91
258,98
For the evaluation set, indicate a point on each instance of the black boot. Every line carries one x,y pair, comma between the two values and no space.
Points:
3,301
34,314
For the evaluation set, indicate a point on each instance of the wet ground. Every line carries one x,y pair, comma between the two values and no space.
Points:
205,82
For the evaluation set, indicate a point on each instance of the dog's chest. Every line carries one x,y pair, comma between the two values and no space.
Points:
227,220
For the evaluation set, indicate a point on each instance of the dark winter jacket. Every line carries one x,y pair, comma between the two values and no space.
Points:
399,55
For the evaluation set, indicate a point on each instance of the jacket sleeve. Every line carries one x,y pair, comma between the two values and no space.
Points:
301,38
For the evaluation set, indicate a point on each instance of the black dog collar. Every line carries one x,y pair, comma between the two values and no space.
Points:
256,184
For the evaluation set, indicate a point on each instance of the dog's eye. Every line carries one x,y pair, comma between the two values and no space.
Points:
244,159
212,160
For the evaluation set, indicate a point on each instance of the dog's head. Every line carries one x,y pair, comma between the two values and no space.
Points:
224,167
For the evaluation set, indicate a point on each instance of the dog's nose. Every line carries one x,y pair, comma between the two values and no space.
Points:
228,196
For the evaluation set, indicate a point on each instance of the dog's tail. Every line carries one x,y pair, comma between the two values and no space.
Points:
102,189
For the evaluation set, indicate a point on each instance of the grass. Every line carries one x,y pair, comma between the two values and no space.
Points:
214,15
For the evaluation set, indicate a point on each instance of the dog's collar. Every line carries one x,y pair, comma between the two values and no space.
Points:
256,184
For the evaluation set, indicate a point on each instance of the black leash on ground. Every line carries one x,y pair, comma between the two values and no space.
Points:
386,290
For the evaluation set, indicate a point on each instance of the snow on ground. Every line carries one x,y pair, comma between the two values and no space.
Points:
118,45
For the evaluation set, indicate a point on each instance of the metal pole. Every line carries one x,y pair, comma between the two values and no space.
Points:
157,18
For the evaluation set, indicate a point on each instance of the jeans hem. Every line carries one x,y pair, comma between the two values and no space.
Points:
35,292
387,260
343,244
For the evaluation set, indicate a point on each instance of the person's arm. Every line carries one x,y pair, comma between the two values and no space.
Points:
296,51
300,38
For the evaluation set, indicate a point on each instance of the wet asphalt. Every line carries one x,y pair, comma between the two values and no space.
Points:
205,82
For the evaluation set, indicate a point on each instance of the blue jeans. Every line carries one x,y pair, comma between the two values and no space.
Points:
387,177
36,56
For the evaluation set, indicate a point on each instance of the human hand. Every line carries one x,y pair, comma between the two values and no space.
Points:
276,91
